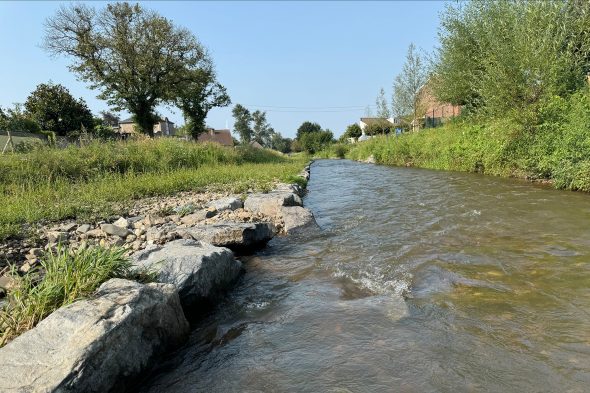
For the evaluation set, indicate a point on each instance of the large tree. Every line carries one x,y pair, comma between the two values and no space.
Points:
407,84
307,127
55,109
135,57
261,131
200,94
242,123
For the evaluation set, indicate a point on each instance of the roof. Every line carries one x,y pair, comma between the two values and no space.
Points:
374,120
222,137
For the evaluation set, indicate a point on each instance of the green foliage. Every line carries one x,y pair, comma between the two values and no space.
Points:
100,179
555,147
16,119
104,132
501,55
68,276
352,131
55,109
306,128
407,85
135,57
278,143
242,123
200,94
261,131
316,141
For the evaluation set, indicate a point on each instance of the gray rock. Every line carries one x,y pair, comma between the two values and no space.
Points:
96,345
228,203
112,229
233,235
57,236
95,233
198,270
296,217
196,217
121,222
83,228
68,227
269,204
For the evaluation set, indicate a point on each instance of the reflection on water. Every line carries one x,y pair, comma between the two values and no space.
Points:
416,281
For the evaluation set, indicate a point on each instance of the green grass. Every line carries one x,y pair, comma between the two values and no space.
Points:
550,142
102,179
69,276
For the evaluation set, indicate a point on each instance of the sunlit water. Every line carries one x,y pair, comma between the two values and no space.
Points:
416,281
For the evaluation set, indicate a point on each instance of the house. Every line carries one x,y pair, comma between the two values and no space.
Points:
368,121
163,127
223,137
435,112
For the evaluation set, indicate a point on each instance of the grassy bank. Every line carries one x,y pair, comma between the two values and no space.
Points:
102,179
550,142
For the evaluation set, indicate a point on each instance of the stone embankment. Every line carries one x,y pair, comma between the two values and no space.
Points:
105,343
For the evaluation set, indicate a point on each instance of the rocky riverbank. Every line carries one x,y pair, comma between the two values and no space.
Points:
189,243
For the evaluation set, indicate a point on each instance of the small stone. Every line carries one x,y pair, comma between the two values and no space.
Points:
138,225
7,283
68,227
37,252
25,267
130,238
139,231
102,243
83,228
112,229
121,222
57,236
95,233
117,242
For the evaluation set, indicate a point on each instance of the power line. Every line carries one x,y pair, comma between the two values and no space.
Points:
351,107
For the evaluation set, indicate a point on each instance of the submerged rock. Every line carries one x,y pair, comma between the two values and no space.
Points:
198,270
96,345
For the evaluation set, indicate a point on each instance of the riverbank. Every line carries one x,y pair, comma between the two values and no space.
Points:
47,189
190,259
550,144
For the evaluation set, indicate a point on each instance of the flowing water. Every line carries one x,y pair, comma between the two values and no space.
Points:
416,281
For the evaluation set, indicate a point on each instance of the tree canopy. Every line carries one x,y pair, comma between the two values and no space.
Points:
136,58
307,127
242,123
504,55
407,84
53,108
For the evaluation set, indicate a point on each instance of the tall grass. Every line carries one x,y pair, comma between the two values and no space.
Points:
68,276
101,179
550,142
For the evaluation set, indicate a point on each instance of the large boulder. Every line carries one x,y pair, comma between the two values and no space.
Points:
96,345
198,270
269,204
234,235
295,217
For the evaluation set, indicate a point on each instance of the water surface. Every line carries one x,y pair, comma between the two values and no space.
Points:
415,281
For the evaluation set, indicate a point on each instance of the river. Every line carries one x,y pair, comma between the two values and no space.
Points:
415,281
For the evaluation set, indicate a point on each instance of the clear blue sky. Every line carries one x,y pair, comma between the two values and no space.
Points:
304,55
